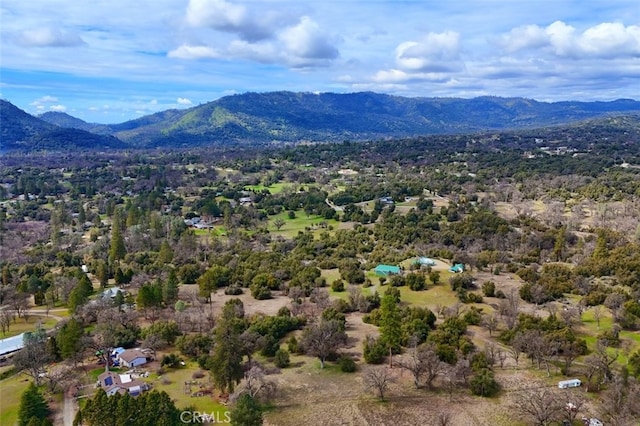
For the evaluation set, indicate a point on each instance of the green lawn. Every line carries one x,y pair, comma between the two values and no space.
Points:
430,298
176,390
20,326
291,227
275,188
11,390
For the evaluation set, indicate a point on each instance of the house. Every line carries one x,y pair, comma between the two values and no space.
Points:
572,383
113,383
457,268
132,358
386,200
111,293
385,270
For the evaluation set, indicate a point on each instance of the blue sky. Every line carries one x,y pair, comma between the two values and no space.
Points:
109,61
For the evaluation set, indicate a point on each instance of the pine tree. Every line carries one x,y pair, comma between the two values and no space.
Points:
390,323
170,289
117,249
32,404
247,412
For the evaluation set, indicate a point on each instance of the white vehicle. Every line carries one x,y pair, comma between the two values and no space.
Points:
573,383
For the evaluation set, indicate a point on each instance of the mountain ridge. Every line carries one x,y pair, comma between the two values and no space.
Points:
292,117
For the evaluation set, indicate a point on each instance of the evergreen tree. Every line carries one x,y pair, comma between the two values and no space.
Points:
117,249
32,405
226,362
69,338
390,323
247,412
170,289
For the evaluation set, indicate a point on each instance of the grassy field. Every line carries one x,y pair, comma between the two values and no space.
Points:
11,390
291,227
20,326
176,390
275,188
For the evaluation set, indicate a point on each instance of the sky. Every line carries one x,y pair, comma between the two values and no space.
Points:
109,61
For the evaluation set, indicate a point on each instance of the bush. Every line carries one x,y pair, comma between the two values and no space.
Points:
170,360
293,345
474,298
489,289
347,364
233,290
260,292
199,374
484,383
374,351
337,285
281,359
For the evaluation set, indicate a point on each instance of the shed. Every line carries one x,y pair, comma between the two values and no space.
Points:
458,267
385,270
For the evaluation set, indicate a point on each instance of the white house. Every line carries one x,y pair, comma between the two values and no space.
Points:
113,383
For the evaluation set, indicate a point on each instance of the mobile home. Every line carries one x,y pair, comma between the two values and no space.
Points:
573,383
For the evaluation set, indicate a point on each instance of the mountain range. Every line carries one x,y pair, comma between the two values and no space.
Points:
277,117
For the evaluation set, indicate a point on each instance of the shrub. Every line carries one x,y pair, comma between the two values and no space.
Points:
293,345
489,289
233,290
347,364
374,351
337,285
170,360
281,359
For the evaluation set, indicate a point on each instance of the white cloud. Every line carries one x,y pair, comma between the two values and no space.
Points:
250,24
58,108
194,52
306,41
604,40
48,37
44,100
184,101
436,52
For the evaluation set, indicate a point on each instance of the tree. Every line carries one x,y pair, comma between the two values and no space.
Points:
390,324
423,361
226,361
32,404
539,405
34,356
322,338
117,249
378,379
278,223
483,383
246,412
69,339
170,289
217,276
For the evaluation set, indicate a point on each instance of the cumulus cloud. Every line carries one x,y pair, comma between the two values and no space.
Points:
306,40
58,108
184,101
48,37
605,40
436,52
222,15
44,99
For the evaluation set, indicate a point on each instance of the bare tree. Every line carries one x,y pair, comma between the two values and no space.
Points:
322,338
378,379
423,361
443,418
490,322
6,316
59,376
597,314
256,385
33,357
540,405
620,404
